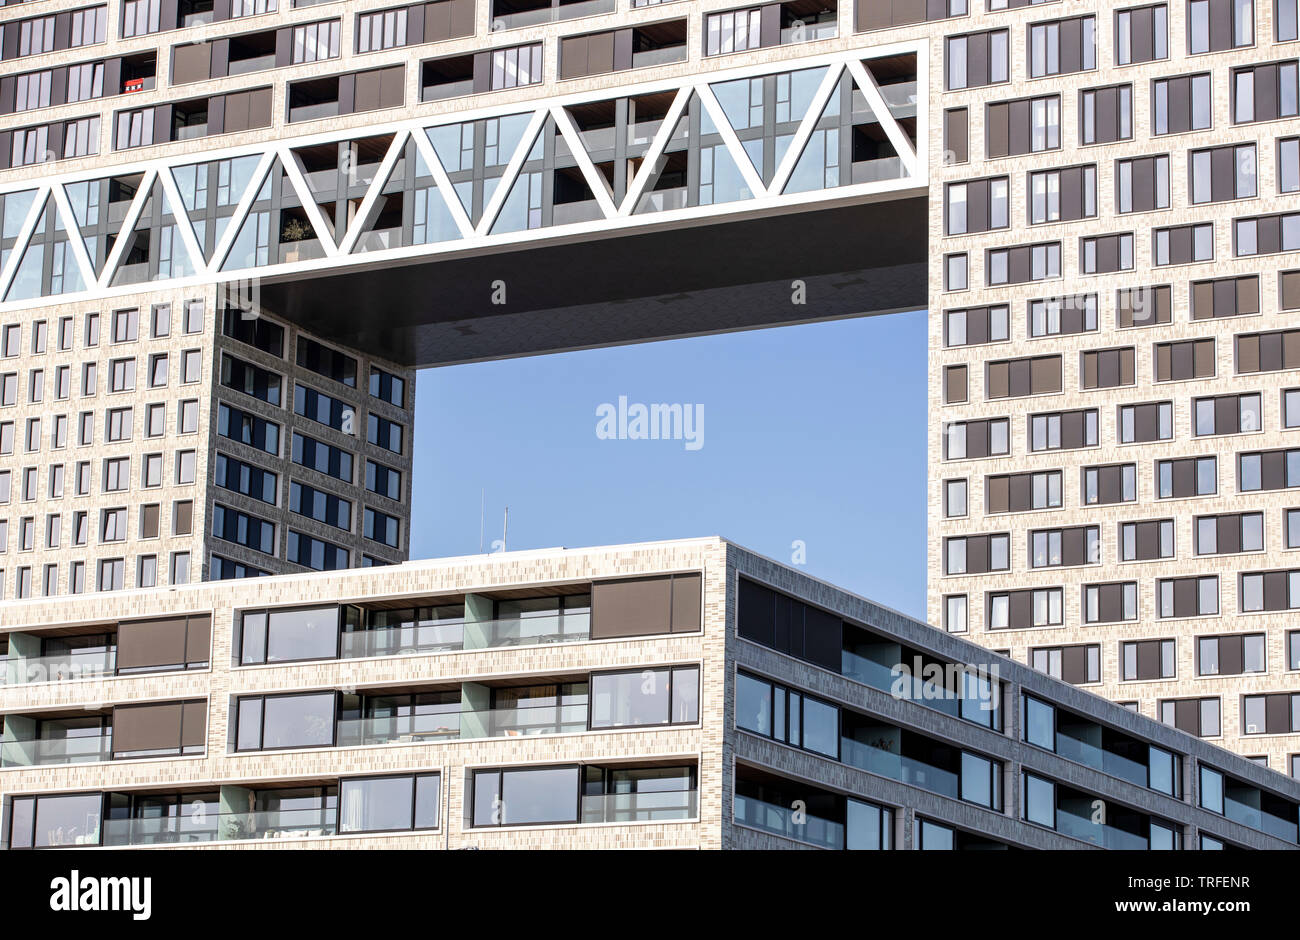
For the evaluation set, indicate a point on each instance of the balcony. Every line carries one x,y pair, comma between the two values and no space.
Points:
467,724
664,56
782,821
652,806
434,637
808,32
448,90
215,827
49,752
64,667
552,14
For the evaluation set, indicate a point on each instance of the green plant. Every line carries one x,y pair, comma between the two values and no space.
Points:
295,231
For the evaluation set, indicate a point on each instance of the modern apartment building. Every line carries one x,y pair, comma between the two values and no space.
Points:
242,224
671,694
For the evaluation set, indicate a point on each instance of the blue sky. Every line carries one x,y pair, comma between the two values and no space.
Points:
813,433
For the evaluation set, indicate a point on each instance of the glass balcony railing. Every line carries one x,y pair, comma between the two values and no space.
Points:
213,827
62,667
1082,826
442,90
462,725
664,56
434,637
783,821
43,752
567,11
899,767
661,806
808,32
567,213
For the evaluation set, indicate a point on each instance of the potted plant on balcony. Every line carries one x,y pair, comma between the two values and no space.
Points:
294,232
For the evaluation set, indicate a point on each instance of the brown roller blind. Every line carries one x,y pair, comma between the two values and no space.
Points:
954,384
1289,290
198,640
144,644
956,135
182,517
191,62
633,607
153,727
194,724
687,601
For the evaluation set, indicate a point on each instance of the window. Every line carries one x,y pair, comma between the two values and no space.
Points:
381,527
117,474
269,722
1265,92
977,59
990,195
1146,541
1039,801
976,326
1185,359
1276,713
732,31
1026,125
1110,603
955,272
1147,660
1232,655
1182,104
243,529
977,554
1268,470
1064,430
1275,590
1145,423
121,375
645,697
1062,46
1215,25
1227,414
1107,368
954,613
111,574
1019,610
1142,184
521,797
1229,533
1188,597
315,42
1077,665
187,417
1183,244
383,30
315,553
1023,263
1186,477
1222,173
1017,378
389,804
289,635
1021,492
1063,195
1195,716
117,424
973,439
1141,34
514,67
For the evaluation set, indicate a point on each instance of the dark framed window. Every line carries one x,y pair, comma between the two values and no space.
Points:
669,695
390,803
293,720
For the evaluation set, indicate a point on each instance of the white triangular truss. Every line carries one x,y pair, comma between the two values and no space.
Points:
340,248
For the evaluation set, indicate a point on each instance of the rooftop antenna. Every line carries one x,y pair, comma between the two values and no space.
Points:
505,528
482,505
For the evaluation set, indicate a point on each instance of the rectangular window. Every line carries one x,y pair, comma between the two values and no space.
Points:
1147,660
1187,597
1183,244
1060,47
1142,184
976,59
315,42
1232,655
1219,174
515,67
1181,104
1141,34
389,804
1144,423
